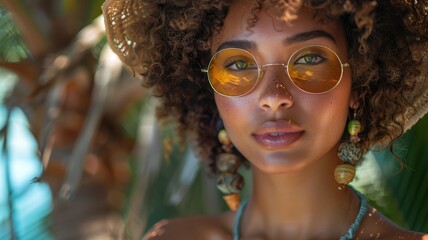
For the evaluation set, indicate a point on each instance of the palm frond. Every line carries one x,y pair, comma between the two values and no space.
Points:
33,25
410,187
12,48
399,193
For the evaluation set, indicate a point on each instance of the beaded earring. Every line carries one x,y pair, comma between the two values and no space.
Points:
229,181
350,153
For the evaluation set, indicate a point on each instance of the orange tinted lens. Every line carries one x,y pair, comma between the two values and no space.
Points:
315,69
233,72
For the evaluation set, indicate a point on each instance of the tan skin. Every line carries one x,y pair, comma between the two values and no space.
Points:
294,194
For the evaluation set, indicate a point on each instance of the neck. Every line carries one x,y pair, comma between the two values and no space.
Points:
301,204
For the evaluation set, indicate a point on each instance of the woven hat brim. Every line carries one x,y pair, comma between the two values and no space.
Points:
419,97
119,16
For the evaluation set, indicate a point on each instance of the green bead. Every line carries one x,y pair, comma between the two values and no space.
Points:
354,127
223,138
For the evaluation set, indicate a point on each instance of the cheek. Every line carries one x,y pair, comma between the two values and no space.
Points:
227,108
329,114
223,106
234,112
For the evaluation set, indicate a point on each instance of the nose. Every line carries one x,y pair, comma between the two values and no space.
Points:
275,95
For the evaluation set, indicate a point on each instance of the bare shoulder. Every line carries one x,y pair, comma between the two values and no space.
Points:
200,227
377,226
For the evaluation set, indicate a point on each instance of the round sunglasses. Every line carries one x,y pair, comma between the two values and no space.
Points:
313,69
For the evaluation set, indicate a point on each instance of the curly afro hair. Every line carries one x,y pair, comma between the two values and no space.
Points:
165,43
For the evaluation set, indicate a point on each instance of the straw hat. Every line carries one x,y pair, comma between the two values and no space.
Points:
123,15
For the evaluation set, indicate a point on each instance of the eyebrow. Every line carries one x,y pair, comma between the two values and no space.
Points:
300,37
243,44
305,36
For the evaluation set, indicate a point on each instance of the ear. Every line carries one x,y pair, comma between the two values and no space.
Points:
353,100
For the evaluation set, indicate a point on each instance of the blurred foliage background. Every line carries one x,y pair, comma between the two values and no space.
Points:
98,165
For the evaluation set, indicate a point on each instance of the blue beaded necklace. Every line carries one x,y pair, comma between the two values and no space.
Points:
348,236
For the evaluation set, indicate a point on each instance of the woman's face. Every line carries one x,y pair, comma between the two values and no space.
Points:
276,126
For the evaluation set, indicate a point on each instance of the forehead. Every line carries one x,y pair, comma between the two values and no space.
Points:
268,29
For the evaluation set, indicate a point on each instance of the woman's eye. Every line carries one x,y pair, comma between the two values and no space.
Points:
239,64
310,59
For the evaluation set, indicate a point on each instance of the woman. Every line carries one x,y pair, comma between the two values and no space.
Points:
299,89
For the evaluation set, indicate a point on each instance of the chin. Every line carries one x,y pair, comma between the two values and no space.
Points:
277,163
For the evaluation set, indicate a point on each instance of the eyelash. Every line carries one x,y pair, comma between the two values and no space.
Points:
312,55
235,60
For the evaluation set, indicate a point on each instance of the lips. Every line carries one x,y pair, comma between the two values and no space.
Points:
277,134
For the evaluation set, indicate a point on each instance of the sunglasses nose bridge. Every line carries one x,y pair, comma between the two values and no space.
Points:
274,64
262,71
